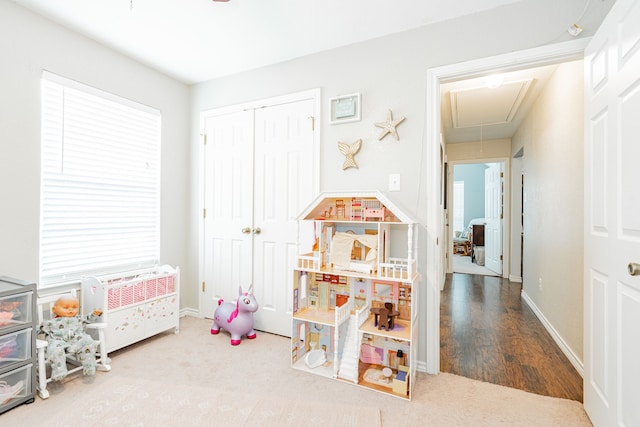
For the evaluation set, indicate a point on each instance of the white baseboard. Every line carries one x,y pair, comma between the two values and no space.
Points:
515,279
189,312
575,361
421,366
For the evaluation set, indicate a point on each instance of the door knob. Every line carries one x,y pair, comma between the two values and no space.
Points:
634,268
257,230
246,230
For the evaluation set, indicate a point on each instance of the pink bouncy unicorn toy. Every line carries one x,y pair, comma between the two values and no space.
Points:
236,318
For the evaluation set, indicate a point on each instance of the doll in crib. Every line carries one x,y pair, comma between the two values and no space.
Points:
65,334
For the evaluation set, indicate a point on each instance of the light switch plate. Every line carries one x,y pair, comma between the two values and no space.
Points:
394,182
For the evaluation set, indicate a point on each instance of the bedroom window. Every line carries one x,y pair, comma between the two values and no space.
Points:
458,206
100,190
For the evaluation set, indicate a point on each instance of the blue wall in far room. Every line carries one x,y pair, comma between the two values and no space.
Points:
473,177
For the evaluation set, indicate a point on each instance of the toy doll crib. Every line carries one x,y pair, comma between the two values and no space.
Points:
43,309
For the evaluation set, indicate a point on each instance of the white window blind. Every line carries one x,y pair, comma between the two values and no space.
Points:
100,201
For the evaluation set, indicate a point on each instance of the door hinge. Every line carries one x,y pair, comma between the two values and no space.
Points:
501,174
313,122
204,287
204,213
500,259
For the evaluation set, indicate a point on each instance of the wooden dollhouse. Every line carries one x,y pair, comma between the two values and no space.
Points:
353,317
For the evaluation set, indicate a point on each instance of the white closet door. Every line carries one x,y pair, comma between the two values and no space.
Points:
227,255
260,173
284,186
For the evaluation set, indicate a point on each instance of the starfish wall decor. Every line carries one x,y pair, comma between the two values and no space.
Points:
389,126
349,151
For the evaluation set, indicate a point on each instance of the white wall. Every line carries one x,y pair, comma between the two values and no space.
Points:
30,44
476,151
552,137
390,73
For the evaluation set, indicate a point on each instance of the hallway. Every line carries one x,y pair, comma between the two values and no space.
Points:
488,333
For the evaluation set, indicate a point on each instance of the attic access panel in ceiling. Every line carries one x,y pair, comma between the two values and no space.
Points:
505,101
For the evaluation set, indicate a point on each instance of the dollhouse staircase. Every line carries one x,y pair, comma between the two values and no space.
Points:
350,353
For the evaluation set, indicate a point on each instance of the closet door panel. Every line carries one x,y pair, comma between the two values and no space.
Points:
284,164
228,203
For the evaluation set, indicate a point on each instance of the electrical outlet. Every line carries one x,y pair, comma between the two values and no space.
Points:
540,283
394,182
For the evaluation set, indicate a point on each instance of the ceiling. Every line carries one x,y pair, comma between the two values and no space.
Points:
471,111
198,40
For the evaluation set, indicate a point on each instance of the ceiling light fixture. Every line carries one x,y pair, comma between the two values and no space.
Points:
574,30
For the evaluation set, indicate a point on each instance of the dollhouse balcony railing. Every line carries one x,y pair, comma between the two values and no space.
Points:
397,268
309,262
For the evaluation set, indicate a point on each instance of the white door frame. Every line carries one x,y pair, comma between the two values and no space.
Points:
536,57
314,94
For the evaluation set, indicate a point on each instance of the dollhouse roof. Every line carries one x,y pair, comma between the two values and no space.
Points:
318,207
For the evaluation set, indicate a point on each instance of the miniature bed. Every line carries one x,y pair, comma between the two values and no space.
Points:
342,246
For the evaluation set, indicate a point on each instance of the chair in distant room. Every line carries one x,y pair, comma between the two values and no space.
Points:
462,242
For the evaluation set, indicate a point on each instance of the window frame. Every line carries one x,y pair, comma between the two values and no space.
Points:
126,200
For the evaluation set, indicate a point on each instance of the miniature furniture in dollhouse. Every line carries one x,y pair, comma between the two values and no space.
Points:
136,305
17,343
353,293
43,311
401,381
341,209
384,317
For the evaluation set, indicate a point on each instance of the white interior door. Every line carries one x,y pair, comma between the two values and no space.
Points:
260,171
493,217
284,186
227,256
612,219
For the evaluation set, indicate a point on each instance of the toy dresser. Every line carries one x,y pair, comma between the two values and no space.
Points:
136,305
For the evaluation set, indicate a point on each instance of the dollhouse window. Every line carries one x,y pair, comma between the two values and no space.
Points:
383,291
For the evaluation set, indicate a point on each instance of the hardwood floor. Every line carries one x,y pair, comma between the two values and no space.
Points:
488,333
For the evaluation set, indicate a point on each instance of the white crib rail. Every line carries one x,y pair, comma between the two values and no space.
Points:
128,288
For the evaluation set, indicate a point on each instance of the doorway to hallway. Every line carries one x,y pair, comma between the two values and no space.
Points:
476,218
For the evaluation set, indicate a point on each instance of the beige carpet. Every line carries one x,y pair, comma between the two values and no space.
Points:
463,264
122,401
197,379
